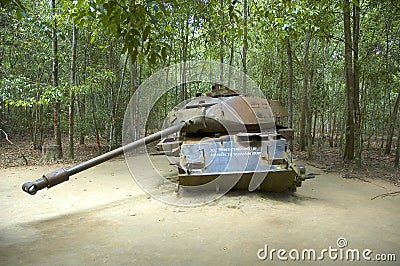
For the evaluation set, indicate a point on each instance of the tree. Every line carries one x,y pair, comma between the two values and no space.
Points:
356,80
392,124
73,84
349,78
304,93
290,81
245,42
57,105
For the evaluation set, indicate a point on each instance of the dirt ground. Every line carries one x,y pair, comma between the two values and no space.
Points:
101,216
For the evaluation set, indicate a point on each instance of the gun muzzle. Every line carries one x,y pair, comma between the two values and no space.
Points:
48,180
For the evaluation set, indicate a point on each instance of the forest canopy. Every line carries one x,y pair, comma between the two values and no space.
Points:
69,68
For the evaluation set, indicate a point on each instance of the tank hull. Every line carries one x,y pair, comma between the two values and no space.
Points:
277,181
251,161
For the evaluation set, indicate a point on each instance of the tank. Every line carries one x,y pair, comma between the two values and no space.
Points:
220,140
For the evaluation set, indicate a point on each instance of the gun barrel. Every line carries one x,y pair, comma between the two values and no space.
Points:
62,175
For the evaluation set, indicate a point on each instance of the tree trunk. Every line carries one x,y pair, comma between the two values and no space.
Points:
232,49
50,154
309,111
245,44
57,126
357,113
132,77
333,130
185,41
309,135
38,128
135,77
263,76
112,97
349,135
221,42
95,126
73,83
389,137
57,105
304,100
82,116
392,124
281,86
397,159
290,81
314,128
116,105
231,58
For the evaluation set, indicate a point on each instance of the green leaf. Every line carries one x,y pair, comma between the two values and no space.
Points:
153,58
164,53
146,33
356,3
21,13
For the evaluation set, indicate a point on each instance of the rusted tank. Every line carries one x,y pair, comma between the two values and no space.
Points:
236,139
221,140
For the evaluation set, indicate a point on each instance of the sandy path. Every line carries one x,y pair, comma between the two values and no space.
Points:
102,217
